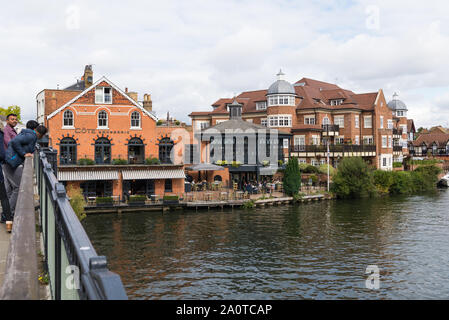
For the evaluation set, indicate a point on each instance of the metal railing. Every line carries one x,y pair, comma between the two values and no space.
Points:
74,268
330,127
333,148
20,281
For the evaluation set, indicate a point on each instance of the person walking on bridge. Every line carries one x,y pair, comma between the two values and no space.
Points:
23,145
6,210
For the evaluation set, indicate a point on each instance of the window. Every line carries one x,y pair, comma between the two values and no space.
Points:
315,162
261,105
368,140
202,125
168,185
281,100
340,121
135,119
400,113
390,124
136,151
315,140
367,122
102,119
339,140
384,142
336,102
263,122
326,121
381,122
309,119
357,119
67,151
357,140
103,95
280,121
68,118
390,142
384,162
102,151
165,148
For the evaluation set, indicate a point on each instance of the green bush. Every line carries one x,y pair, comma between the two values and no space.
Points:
119,161
159,122
383,180
311,169
249,204
136,198
397,164
86,162
292,177
99,200
77,202
323,169
353,179
402,183
170,198
152,161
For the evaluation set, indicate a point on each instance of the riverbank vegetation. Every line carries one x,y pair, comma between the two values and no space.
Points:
355,179
292,177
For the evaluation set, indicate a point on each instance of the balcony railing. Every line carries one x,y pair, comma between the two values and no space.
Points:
397,148
333,148
330,128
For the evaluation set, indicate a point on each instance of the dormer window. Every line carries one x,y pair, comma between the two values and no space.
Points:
261,105
336,102
400,113
103,95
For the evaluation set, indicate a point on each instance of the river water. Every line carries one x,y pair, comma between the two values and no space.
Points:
317,250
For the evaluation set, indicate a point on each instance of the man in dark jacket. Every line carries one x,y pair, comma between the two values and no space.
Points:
21,146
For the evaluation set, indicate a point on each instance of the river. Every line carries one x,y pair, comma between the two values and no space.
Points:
318,250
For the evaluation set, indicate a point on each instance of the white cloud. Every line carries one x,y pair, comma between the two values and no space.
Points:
187,54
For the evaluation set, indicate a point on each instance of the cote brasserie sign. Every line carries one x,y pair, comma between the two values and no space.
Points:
99,131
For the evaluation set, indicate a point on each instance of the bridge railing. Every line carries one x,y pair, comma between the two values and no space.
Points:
74,268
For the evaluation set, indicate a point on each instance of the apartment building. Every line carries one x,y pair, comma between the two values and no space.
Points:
319,114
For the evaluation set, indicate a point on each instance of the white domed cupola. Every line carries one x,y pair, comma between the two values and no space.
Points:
397,106
281,92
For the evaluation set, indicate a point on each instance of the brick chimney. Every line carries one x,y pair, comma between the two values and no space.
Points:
133,95
147,103
88,76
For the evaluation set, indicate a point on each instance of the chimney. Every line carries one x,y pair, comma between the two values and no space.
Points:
132,95
88,76
147,103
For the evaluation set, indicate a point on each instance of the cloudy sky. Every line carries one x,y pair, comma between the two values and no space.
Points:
187,54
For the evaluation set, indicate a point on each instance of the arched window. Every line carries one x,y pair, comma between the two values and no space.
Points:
165,148
102,119
136,151
135,119
218,178
102,151
68,118
67,151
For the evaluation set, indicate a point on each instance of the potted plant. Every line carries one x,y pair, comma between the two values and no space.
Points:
86,162
266,163
170,200
137,200
119,162
236,164
104,201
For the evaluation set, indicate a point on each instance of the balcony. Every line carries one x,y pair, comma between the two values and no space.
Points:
397,148
334,150
330,130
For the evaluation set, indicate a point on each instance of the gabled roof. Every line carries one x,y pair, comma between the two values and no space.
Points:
93,86
428,139
410,125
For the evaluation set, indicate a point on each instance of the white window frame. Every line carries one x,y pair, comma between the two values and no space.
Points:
263,122
390,124
68,126
339,140
384,142
315,140
340,121
357,120
368,139
309,119
366,124
261,105
326,120
390,141
136,119
299,140
336,102
357,140
381,122
280,120
107,120
100,95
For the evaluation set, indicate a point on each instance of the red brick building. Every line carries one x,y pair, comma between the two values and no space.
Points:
98,123
316,113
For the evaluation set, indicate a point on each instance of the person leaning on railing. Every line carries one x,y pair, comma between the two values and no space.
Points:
21,146
6,210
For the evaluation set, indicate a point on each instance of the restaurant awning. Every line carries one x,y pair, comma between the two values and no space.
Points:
87,175
205,167
153,174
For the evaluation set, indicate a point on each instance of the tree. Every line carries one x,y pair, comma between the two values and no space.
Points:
11,109
292,177
353,179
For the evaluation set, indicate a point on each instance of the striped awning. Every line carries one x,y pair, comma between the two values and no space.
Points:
87,175
153,174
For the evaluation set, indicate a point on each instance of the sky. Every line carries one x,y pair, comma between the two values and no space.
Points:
188,54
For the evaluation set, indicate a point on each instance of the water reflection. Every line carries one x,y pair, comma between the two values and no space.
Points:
318,250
